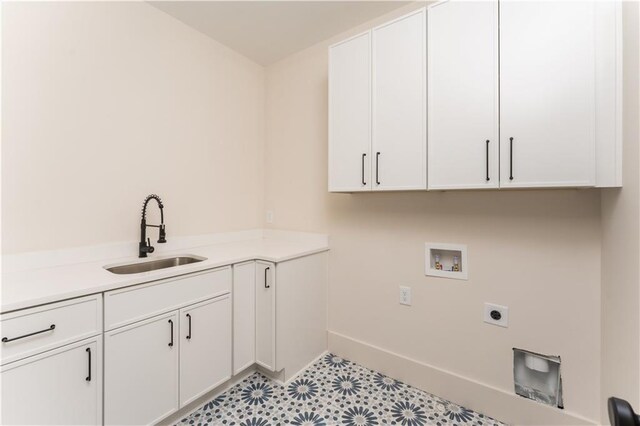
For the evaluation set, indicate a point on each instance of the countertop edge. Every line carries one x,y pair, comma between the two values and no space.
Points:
185,270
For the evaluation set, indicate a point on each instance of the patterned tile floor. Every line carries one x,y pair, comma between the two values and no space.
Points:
332,391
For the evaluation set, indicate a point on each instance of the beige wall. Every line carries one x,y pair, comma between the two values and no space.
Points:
95,87
537,252
621,241
100,85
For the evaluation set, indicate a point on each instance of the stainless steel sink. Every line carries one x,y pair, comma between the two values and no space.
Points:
152,265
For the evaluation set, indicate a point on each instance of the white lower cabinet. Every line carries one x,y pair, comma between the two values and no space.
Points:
281,325
266,315
205,347
141,371
155,366
301,312
244,316
183,341
62,386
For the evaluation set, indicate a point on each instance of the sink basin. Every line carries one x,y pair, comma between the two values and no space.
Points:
152,265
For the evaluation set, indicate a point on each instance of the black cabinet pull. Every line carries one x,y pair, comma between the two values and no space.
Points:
88,379
377,168
510,158
7,340
171,342
265,277
488,178
189,335
363,157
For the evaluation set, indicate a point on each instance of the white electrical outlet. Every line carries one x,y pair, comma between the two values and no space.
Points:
496,315
405,295
269,216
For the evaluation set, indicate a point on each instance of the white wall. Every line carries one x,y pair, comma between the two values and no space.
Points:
537,252
621,240
106,102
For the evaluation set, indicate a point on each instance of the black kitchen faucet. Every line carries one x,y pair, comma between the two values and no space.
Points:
145,243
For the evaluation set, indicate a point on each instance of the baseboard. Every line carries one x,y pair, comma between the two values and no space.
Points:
295,376
280,376
481,397
275,376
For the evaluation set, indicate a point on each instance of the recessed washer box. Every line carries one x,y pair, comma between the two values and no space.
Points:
450,257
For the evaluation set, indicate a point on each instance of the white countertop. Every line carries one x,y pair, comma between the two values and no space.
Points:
26,287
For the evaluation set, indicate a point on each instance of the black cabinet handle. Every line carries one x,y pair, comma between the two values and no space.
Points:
7,340
363,157
265,277
377,168
189,335
510,158
171,342
488,178
88,379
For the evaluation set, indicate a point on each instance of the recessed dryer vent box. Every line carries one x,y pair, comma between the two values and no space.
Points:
446,260
537,377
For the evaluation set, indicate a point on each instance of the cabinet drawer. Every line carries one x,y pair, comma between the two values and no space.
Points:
135,303
35,330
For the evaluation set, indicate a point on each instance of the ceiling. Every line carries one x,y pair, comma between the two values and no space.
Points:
267,31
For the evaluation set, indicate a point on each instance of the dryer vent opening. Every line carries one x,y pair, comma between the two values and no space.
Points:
537,377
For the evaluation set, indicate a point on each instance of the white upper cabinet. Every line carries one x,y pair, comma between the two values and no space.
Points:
377,108
547,94
522,94
463,95
399,114
608,94
350,114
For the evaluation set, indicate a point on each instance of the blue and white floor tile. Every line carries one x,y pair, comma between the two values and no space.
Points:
332,391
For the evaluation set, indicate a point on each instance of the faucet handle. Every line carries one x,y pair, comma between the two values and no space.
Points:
150,248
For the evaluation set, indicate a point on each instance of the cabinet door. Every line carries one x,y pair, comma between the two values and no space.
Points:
62,386
265,315
463,95
244,316
350,114
399,139
547,94
205,347
141,371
